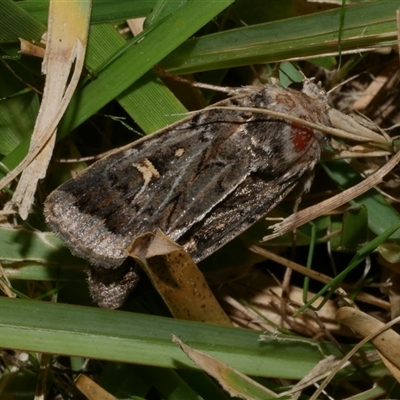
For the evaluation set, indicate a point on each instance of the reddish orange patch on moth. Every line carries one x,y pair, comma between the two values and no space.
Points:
301,136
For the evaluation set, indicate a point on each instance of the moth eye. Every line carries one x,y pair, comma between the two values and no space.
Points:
297,86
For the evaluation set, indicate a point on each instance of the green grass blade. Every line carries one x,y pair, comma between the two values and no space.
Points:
15,23
150,104
23,245
102,11
300,37
137,338
155,43
360,256
15,130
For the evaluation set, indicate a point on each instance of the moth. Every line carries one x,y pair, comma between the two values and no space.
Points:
202,181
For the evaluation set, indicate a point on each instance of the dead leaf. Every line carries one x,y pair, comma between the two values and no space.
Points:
91,389
176,278
387,342
233,381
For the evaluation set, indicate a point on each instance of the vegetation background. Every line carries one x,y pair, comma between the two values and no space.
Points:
54,332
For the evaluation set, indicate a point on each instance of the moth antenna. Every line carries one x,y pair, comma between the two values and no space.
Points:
342,83
307,80
302,74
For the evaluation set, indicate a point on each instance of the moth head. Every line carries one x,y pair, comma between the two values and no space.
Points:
315,91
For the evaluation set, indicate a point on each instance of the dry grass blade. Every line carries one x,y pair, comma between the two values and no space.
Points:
234,382
65,51
340,199
321,370
344,315
363,134
387,343
91,389
350,125
361,296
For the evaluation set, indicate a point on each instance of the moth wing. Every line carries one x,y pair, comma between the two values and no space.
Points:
167,181
252,200
218,171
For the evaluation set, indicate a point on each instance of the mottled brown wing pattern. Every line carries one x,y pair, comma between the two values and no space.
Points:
99,212
202,181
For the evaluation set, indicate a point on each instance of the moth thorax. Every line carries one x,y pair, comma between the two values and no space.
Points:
316,92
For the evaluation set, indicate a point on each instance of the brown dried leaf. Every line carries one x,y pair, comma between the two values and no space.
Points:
361,296
263,309
233,381
387,343
91,389
30,49
177,278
